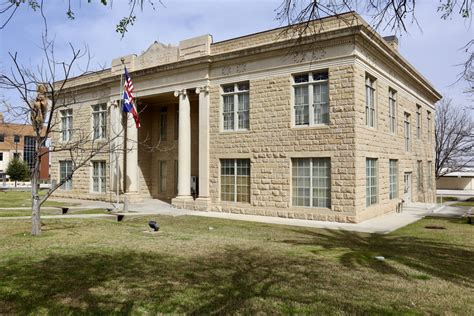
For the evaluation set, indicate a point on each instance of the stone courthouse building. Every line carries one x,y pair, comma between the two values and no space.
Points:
334,125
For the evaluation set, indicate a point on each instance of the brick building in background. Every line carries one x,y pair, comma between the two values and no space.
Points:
334,126
19,139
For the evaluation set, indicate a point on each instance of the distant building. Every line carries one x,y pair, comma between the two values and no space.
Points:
19,140
460,180
335,126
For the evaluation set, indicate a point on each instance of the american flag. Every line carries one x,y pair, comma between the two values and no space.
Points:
128,105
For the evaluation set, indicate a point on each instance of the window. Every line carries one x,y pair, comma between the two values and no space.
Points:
311,89
369,101
66,125
1,156
392,110
163,123
98,176
235,180
418,122
16,139
65,169
29,149
99,117
371,181
235,100
311,181
2,138
162,169
407,131
428,118
393,175
420,175
430,175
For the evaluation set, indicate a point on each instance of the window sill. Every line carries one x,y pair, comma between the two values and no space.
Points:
310,208
316,126
239,131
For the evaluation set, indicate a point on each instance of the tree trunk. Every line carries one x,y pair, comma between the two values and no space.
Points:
35,198
35,216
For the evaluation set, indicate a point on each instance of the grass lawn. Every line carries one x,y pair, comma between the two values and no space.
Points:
22,198
468,202
27,212
102,266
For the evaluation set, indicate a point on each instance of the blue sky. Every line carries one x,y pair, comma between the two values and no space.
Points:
434,51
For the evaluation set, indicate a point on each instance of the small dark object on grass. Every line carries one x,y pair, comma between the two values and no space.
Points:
109,209
154,225
65,209
120,217
434,227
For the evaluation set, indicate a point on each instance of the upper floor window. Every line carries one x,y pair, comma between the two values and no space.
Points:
1,156
2,138
311,89
99,118
235,111
163,123
16,139
407,132
66,125
418,122
428,118
392,110
370,101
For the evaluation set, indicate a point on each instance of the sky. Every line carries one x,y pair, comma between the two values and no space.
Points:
435,49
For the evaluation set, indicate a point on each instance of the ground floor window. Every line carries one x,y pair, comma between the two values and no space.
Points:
371,181
162,184
393,175
65,169
311,182
99,176
235,180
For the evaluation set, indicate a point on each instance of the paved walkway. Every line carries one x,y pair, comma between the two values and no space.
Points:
383,224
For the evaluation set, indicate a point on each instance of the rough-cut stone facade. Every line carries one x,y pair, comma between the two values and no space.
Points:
347,49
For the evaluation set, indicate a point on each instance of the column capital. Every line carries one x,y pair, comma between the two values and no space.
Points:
203,89
178,93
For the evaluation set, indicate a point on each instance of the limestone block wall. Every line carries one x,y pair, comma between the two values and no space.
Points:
82,178
271,142
378,142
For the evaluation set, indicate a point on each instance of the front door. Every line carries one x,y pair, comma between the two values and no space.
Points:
407,187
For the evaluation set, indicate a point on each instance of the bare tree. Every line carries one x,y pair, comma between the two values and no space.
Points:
393,15
44,92
9,8
454,138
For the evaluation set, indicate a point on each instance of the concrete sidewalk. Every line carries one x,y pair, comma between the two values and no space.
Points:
382,225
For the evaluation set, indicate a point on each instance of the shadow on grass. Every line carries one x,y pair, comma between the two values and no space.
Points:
443,260
232,281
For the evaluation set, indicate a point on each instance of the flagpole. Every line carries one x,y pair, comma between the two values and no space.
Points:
117,167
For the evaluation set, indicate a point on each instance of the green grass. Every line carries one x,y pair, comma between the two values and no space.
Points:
27,212
102,266
442,199
23,199
468,202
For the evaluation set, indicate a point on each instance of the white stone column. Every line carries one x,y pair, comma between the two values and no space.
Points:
203,142
131,176
184,146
